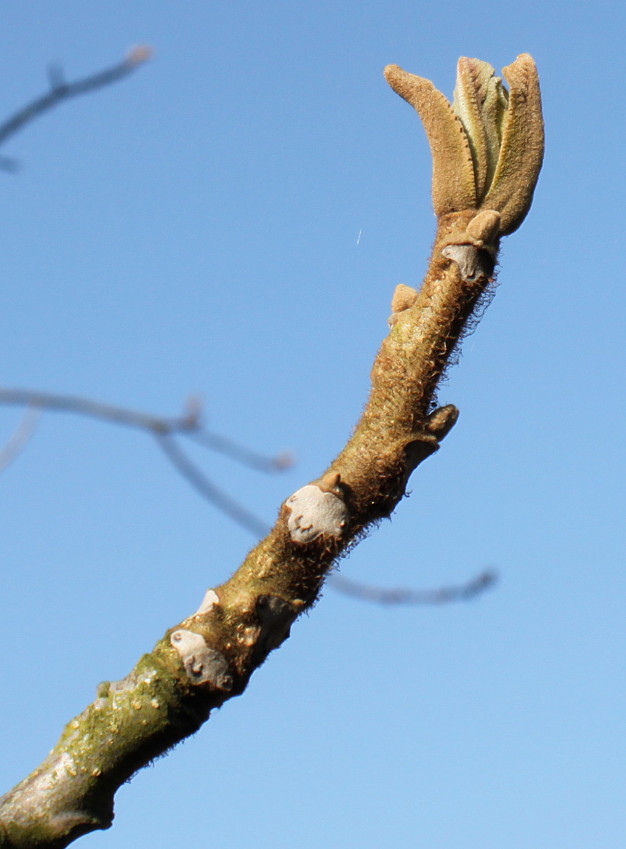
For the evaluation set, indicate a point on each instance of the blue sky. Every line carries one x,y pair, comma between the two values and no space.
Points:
195,229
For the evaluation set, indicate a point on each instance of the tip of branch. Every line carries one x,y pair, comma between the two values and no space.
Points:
284,460
192,412
139,54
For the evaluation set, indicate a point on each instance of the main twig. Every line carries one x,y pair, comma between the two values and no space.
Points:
487,149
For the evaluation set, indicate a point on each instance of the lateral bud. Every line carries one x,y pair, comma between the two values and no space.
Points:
402,299
441,421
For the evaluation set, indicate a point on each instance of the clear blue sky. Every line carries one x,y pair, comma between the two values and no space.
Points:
195,229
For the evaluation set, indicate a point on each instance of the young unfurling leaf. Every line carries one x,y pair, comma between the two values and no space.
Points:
487,147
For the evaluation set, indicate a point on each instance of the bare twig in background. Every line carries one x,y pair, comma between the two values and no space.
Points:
401,595
20,436
243,455
189,425
61,90
233,509
99,410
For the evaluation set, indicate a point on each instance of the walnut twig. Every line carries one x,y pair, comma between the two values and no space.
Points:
209,657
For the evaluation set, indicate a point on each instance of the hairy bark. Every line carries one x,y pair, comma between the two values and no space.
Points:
209,657
170,693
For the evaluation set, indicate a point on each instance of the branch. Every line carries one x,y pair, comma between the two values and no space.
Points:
209,657
98,410
61,90
207,488
189,425
20,436
402,595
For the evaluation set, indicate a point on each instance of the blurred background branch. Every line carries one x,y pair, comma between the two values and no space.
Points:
404,595
20,436
189,425
60,90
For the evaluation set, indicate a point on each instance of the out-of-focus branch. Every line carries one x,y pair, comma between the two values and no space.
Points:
20,436
61,90
189,424
232,508
242,454
164,429
403,595
99,410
